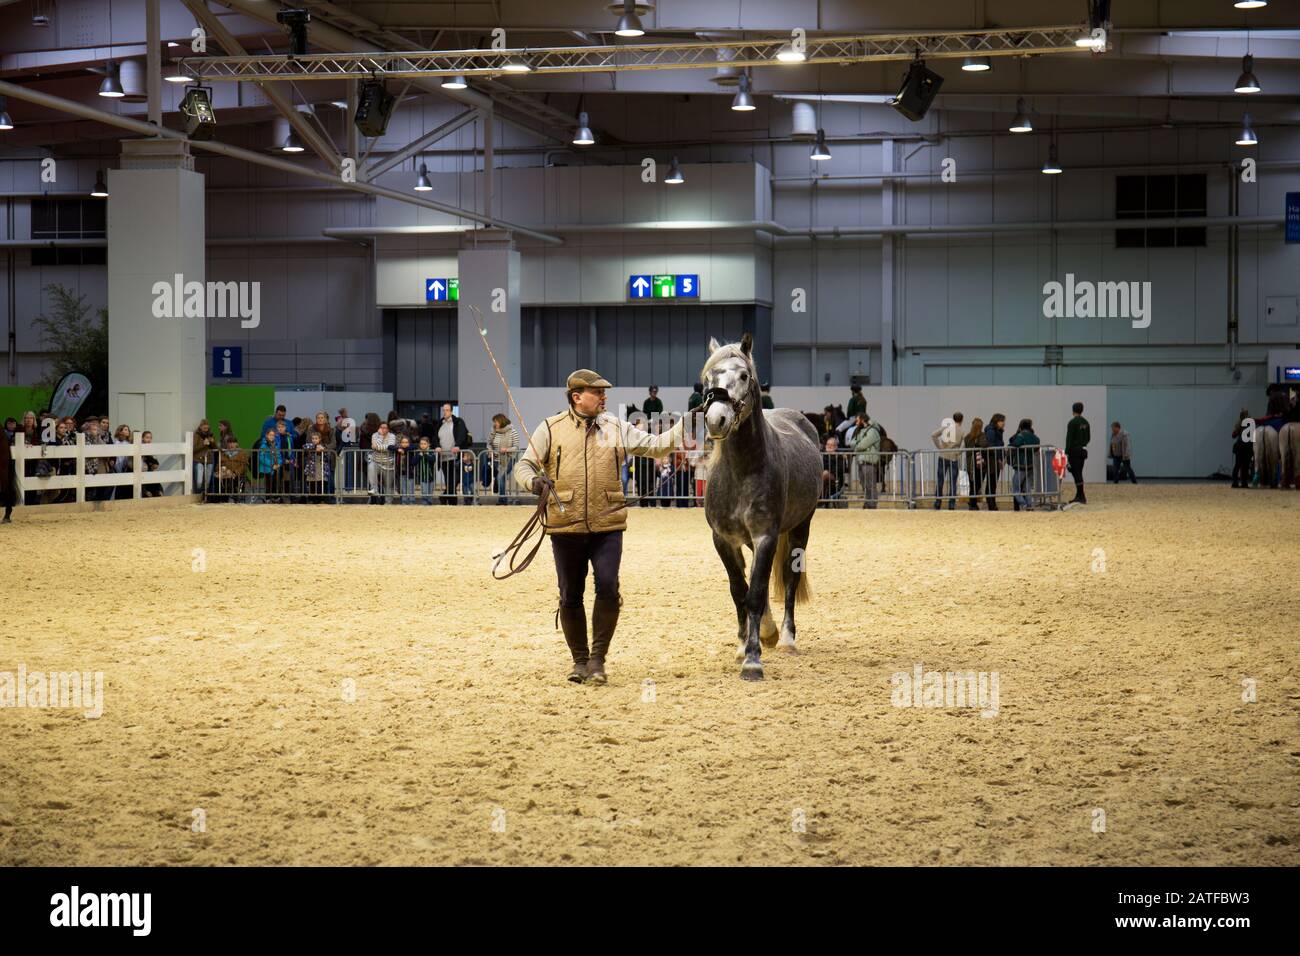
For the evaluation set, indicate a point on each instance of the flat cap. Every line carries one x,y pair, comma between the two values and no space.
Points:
586,378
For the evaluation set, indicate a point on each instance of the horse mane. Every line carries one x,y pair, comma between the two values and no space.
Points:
733,350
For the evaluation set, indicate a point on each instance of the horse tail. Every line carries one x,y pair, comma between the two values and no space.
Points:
802,591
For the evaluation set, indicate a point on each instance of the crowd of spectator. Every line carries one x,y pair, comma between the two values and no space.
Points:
104,454
969,462
400,460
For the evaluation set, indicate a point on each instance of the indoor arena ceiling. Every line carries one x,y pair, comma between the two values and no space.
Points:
1169,59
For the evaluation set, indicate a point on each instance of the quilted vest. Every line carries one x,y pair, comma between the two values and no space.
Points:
586,466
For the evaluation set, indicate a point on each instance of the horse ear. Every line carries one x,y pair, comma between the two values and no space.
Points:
714,345
746,343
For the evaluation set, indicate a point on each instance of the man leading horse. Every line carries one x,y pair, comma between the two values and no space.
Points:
579,456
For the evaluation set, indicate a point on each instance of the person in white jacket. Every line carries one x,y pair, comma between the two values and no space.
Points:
947,438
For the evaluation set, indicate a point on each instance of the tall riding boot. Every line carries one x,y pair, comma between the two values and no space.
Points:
604,618
574,622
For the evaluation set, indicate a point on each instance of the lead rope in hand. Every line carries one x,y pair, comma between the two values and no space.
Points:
535,523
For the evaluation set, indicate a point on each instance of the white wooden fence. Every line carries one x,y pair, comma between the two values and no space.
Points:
80,481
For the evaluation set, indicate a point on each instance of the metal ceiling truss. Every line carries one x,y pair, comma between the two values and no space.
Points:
1027,41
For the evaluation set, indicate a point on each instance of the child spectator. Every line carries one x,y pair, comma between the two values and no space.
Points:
150,463
269,467
467,476
381,464
426,470
317,467
232,469
406,470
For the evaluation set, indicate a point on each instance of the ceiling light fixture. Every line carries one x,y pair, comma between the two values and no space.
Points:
110,86
1052,167
422,184
743,101
583,136
820,150
1247,82
788,54
977,64
6,121
454,83
629,24
1247,135
674,177
101,188
1022,122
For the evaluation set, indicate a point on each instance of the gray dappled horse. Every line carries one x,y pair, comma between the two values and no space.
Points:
764,478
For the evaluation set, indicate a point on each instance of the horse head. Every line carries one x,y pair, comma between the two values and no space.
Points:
730,386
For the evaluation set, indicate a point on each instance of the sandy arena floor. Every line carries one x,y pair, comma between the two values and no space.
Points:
225,690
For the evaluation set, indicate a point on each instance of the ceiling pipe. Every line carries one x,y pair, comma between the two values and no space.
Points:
234,152
418,145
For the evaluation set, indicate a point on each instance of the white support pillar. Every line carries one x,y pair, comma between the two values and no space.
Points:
489,279
156,363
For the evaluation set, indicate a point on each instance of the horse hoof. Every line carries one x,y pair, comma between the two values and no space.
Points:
751,671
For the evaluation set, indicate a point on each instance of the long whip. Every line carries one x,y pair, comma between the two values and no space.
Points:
538,520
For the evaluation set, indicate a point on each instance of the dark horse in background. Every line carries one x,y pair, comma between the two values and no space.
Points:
764,478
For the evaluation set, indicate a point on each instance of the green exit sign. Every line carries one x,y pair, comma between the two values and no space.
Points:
453,290
665,287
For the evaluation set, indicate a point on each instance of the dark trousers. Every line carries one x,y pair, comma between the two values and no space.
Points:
1122,467
450,480
1076,459
992,465
1242,467
573,552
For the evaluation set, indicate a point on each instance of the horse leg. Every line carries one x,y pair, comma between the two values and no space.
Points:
793,573
734,562
756,604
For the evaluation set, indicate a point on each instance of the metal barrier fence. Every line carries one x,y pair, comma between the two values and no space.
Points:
969,476
415,477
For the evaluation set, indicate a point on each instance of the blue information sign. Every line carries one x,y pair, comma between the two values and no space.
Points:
688,287
435,290
227,361
1293,217
638,287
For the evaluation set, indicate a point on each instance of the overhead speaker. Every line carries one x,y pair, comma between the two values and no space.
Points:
196,107
920,87
374,107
